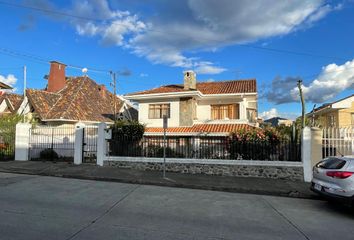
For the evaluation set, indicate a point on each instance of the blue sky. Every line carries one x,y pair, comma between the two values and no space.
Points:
276,42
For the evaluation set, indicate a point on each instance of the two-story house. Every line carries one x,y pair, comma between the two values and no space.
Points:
198,108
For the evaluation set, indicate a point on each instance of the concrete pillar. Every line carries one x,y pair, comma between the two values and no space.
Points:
316,145
79,135
306,153
22,141
101,143
311,150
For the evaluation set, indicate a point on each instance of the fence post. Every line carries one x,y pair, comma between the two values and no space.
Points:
316,145
22,141
79,133
101,144
306,153
311,150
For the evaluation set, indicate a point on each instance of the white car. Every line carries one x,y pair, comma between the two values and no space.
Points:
333,178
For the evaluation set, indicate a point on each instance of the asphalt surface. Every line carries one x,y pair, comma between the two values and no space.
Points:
40,207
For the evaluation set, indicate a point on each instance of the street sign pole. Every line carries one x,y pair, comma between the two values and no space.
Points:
164,145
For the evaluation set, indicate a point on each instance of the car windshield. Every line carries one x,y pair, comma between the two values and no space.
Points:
332,163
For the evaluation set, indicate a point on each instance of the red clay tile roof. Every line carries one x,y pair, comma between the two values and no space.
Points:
42,101
13,100
81,100
224,87
201,128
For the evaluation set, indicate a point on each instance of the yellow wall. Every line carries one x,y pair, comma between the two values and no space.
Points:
345,116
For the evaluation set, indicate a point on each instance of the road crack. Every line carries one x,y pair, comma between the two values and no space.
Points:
286,219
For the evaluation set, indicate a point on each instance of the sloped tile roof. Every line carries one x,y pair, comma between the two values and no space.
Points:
201,128
224,87
42,101
14,100
81,100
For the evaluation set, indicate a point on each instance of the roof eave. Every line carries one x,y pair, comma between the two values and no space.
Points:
184,94
163,95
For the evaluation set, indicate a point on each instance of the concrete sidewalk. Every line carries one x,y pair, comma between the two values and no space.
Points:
262,186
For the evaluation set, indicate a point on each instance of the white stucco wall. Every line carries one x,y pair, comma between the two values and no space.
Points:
204,109
3,106
24,108
173,121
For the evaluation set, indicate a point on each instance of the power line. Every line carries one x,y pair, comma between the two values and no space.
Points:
284,51
289,52
49,11
34,58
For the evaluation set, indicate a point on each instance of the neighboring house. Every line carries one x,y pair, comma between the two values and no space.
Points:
10,103
336,114
278,121
68,100
4,86
194,108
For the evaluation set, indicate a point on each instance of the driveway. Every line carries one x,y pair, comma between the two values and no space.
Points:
38,207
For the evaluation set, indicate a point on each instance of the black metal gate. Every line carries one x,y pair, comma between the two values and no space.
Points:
52,143
89,148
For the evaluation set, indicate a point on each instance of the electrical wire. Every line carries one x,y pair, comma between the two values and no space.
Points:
284,51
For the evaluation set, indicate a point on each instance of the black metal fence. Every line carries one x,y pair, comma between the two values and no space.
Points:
7,144
209,147
90,136
52,143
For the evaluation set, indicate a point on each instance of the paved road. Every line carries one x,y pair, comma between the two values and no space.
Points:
33,207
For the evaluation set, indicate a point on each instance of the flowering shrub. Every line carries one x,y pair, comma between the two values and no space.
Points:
268,135
256,144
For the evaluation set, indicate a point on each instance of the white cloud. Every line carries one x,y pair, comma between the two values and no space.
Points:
172,30
114,27
332,80
207,68
143,75
10,79
273,112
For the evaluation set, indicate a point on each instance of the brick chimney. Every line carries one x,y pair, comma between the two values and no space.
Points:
56,79
102,89
190,80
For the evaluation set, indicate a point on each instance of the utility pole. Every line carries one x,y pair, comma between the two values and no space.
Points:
303,120
114,83
24,87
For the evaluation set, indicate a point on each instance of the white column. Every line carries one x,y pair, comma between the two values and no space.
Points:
79,134
101,144
306,153
22,141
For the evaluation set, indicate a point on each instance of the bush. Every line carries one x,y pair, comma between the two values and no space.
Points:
256,144
48,154
131,129
157,151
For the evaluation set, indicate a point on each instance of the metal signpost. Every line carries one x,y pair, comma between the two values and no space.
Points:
164,144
